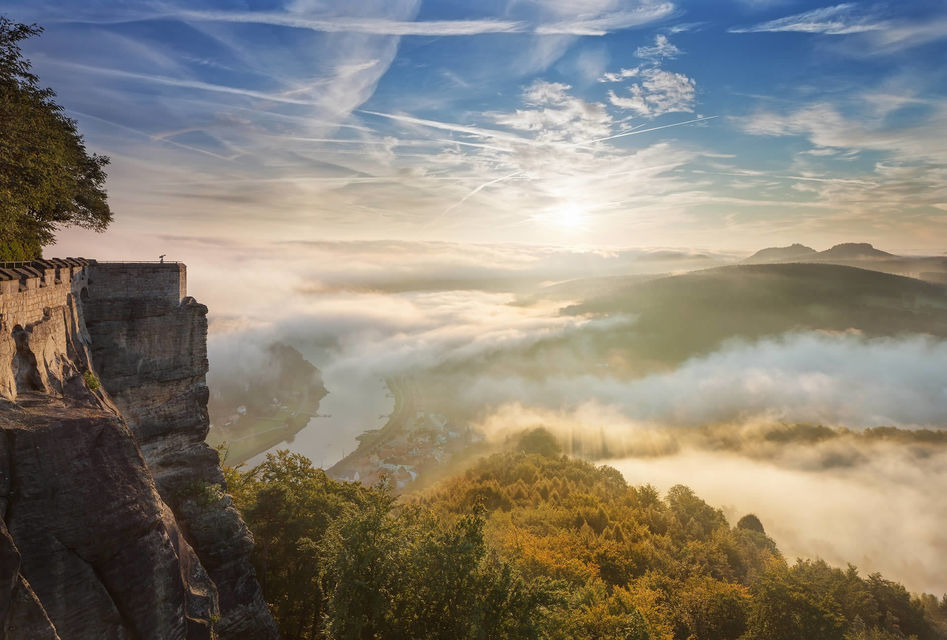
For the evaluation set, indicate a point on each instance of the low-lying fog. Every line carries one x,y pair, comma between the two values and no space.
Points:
365,311
885,513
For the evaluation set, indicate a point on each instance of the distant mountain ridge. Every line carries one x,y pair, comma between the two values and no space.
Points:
801,253
792,253
853,251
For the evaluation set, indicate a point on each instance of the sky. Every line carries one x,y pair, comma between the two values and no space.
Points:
733,124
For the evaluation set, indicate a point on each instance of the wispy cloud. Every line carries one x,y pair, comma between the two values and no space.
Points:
183,83
662,48
841,19
905,35
374,26
479,132
621,74
311,117
580,25
873,28
162,138
603,24
827,126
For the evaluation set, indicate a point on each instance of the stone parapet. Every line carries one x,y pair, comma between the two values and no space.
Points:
29,290
162,282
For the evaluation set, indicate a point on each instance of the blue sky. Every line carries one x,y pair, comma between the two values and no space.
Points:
731,124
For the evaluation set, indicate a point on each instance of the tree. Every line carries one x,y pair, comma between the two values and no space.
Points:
289,505
541,441
751,523
47,178
340,561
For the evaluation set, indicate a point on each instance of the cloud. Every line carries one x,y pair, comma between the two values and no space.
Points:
883,513
662,48
684,27
909,172
833,379
613,21
900,35
660,92
841,19
240,117
589,63
556,116
546,154
872,34
620,75
598,23
183,83
372,26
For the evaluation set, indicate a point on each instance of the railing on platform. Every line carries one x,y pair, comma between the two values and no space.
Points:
62,262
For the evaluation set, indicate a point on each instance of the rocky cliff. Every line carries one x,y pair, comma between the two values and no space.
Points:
112,519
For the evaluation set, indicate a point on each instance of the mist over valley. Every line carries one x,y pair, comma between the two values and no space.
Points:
762,386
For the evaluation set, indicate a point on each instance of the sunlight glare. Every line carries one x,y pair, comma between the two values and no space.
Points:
569,216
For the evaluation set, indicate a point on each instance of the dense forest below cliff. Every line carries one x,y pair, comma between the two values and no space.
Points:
529,543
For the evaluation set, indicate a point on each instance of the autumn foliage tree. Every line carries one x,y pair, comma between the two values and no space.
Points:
338,560
533,544
47,178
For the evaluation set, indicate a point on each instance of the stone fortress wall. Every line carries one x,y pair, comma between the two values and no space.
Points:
161,282
29,289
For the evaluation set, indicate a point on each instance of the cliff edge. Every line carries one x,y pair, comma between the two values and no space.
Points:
112,519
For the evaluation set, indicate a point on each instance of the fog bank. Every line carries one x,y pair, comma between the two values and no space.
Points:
841,379
886,514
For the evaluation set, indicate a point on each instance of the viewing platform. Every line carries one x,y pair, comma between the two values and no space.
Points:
29,289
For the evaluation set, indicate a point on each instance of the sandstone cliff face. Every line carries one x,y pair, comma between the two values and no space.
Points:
96,545
111,525
151,355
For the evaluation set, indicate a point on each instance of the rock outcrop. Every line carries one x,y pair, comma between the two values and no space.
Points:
112,519
853,251
95,544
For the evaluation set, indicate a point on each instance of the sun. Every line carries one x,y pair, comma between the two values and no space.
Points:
569,216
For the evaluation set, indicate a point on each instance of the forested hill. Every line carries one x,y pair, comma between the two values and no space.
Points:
680,316
533,544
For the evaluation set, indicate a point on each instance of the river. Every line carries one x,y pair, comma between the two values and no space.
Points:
354,405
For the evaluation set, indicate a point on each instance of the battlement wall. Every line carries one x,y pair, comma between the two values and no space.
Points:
29,289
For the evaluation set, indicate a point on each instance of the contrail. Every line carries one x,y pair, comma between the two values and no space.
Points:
477,190
635,132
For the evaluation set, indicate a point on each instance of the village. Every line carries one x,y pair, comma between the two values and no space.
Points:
398,453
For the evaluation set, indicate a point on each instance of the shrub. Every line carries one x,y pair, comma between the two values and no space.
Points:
91,382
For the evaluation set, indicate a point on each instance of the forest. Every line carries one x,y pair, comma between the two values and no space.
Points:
531,543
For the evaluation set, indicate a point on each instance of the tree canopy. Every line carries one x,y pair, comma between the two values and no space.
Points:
47,178
544,547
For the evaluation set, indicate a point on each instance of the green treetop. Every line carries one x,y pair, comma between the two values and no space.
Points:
47,178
